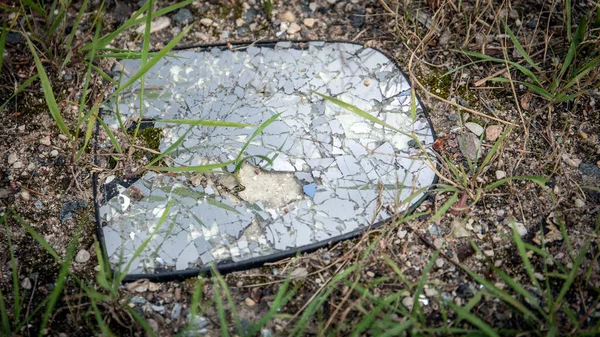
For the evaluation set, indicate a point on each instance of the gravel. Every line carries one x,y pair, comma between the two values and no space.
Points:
591,170
68,208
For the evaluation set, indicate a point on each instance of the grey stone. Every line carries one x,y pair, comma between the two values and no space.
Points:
137,300
183,16
469,145
452,117
242,31
250,15
358,18
13,38
591,170
176,311
70,207
158,308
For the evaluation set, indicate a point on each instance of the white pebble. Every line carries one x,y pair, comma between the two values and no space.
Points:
12,158
82,256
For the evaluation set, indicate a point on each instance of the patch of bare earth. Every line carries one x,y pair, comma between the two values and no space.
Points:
38,176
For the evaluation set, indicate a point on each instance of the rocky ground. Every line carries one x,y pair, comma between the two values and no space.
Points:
51,193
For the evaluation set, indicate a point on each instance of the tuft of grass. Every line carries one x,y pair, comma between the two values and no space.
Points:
570,80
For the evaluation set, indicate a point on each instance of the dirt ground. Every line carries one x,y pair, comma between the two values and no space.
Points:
53,194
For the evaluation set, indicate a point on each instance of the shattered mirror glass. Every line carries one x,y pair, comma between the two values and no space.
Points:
317,173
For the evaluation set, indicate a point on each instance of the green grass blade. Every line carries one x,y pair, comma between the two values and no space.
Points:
445,207
100,320
282,297
534,87
201,122
73,31
571,277
219,306
398,329
516,286
133,21
60,282
519,48
92,118
3,311
38,238
233,312
15,277
161,221
2,45
519,67
359,112
104,75
32,5
197,169
476,321
159,55
541,181
416,304
261,127
523,254
301,325
48,93
141,321
111,135
170,149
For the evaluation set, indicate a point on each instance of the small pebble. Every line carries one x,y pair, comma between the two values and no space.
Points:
402,233
370,274
157,25
429,292
309,22
288,16
239,284
138,300
176,312
158,308
82,256
46,141
183,16
438,243
62,137
249,302
266,333
521,228
206,22
18,165
500,174
153,325
153,286
492,132
25,195
12,158
53,153
579,203
408,302
294,28
452,117
475,128
26,283
197,322
488,253
439,262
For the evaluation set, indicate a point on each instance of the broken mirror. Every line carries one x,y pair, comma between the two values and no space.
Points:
293,171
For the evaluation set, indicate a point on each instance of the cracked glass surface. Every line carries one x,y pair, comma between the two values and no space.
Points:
330,172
